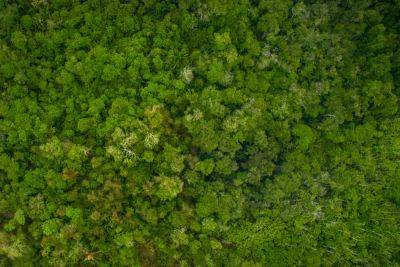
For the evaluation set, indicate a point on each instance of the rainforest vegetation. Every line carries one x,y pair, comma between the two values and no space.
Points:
199,133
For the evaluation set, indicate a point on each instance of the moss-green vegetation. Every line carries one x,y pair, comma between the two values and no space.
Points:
199,133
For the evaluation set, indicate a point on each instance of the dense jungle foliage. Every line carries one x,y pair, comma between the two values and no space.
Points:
199,133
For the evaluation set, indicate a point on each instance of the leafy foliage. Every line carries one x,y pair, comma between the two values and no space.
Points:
199,133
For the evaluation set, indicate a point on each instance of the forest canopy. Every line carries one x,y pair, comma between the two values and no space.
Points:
199,133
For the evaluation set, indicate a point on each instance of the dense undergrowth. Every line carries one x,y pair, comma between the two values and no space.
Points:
199,133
